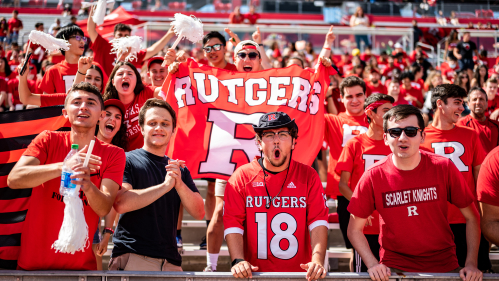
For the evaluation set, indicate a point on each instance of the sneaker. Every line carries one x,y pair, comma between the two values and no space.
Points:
209,269
203,245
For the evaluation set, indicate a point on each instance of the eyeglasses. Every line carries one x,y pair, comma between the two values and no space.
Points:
409,131
79,38
270,136
216,47
252,55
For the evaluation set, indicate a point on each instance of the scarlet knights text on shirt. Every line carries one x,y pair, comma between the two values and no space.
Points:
221,106
276,232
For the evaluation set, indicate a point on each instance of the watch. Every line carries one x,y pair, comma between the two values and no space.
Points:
236,261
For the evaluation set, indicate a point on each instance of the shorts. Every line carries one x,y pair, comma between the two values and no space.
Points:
134,262
373,241
459,231
97,237
344,218
220,187
467,64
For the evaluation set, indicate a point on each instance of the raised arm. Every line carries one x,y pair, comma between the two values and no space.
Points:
328,43
91,26
84,63
25,95
257,37
159,45
129,199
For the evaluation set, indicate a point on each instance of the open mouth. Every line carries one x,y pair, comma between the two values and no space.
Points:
109,128
83,116
277,153
125,86
404,147
247,68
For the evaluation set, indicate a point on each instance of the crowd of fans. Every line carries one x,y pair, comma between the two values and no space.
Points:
363,87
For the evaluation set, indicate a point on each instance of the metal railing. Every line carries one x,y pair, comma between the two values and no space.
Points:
192,276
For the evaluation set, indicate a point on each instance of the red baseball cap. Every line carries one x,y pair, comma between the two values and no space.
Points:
153,59
374,70
117,103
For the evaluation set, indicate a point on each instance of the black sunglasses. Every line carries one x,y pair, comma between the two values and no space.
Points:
251,55
409,131
216,47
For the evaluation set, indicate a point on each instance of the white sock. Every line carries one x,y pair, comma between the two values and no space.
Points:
212,260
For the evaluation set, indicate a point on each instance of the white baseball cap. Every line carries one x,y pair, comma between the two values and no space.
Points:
246,44
398,45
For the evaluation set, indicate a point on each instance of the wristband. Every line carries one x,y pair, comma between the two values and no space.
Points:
236,261
82,73
261,45
108,230
326,48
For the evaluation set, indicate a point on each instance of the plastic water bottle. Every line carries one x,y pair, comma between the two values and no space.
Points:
68,188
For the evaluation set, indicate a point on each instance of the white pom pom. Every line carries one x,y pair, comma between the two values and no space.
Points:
109,4
49,42
99,12
188,27
73,235
131,44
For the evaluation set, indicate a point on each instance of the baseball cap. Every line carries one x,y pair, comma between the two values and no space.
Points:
117,103
153,59
374,70
398,45
246,44
274,120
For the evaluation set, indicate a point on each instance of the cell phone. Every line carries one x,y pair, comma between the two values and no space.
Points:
23,69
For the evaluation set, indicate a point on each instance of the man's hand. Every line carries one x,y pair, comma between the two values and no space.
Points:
379,272
410,98
182,56
369,221
122,55
243,270
314,270
84,63
173,170
257,36
25,74
326,61
81,176
102,246
328,42
170,57
495,115
173,68
95,161
470,273
234,39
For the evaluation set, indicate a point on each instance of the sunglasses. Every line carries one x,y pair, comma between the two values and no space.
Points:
252,55
79,38
216,47
409,131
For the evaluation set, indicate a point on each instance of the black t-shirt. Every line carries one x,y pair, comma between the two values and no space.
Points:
150,231
466,49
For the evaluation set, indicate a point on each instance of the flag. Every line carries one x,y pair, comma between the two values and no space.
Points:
17,129
216,108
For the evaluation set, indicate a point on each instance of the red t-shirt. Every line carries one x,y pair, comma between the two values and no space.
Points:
365,57
492,105
252,18
415,234
102,55
13,65
488,179
231,67
236,19
382,64
357,156
131,120
46,210
14,23
388,70
52,99
465,152
13,88
338,130
34,46
278,238
59,78
449,72
371,89
418,94
488,131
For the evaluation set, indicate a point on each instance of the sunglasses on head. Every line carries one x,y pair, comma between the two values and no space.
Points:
409,131
251,55
216,47
79,38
